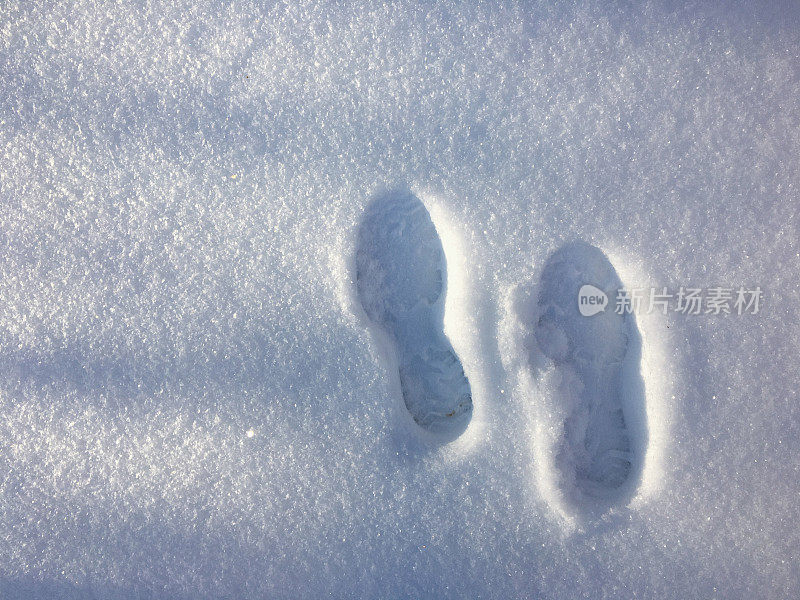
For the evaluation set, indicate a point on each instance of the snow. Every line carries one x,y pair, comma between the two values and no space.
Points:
193,403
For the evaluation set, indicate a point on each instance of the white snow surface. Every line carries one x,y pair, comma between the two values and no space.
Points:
191,403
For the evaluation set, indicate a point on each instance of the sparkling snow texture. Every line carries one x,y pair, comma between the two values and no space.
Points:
191,402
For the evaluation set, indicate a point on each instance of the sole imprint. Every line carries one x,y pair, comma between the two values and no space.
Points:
401,281
598,455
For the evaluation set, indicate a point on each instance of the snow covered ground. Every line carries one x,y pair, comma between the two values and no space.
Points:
193,402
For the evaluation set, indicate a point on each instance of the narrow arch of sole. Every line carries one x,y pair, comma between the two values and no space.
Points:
401,280
599,453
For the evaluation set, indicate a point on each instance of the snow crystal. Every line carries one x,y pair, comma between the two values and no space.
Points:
192,403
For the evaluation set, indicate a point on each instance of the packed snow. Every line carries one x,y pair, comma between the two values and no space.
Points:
401,277
194,399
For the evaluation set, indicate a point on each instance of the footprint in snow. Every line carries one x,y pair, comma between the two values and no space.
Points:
401,280
598,453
